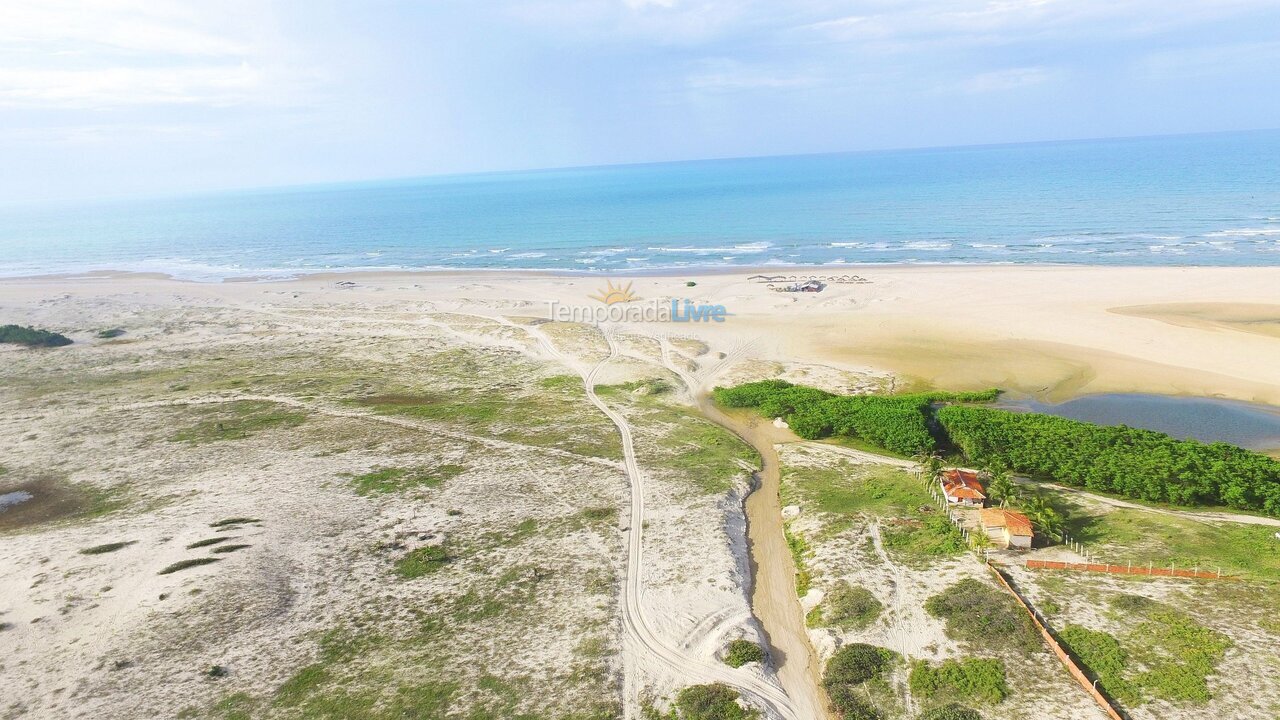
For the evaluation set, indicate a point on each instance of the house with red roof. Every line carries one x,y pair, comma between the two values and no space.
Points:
962,487
1007,529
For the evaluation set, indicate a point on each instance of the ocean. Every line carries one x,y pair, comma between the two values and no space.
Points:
1181,200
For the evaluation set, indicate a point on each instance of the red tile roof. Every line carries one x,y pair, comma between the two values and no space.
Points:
962,484
1015,522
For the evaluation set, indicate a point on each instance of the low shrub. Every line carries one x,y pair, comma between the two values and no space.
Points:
711,702
983,616
848,607
109,547
740,652
184,564
978,679
31,337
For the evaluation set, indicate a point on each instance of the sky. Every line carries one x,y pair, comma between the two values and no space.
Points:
106,98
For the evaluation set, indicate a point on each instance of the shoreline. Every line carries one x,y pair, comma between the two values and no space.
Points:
802,271
1052,332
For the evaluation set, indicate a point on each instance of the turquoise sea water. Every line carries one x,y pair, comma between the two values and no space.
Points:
1188,200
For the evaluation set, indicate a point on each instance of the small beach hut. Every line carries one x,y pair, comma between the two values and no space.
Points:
1007,529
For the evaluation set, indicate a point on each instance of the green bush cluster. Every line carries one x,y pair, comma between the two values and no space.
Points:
31,337
978,679
1127,461
740,652
716,701
898,423
846,671
1140,464
847,606
983,616
1103,656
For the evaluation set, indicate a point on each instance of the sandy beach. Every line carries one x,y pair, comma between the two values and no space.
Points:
339,356
1053,332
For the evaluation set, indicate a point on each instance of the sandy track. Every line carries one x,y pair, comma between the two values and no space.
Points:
773,597
639,634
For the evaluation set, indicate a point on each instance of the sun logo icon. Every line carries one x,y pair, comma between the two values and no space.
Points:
615,294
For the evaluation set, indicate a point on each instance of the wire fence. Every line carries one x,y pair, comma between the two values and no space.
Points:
1130,569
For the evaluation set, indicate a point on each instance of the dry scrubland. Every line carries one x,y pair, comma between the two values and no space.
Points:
873,550
345,511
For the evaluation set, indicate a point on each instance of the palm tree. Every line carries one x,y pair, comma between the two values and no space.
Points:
1046,518
1001,486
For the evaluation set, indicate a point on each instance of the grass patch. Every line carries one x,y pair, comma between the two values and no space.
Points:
423,561
207,542
238,420
188,563
983,617
107,548
970,679
716,701
109,333
913,531
1100,653
1166,654
389,480
230,548
847,607
799,549
501,395
740,652
1126,535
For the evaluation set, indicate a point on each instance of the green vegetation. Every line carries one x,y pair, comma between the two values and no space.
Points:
184,564
107,548
911,530
207,542
973,679
109,333
740,652
950,711
388,480
498,394
223,549
1127,461
423,561
895,422
709,702
31,337
1166,655
1100,653
1141,537
799,548
1134,463
228,522
847,671
238,420
983,617
846,606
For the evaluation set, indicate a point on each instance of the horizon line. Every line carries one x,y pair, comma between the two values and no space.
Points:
394,179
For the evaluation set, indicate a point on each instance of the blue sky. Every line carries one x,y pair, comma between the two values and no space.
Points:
118,97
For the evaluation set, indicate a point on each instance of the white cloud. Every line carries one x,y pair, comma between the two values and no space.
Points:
1003,80
106,87
724,74
93,54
